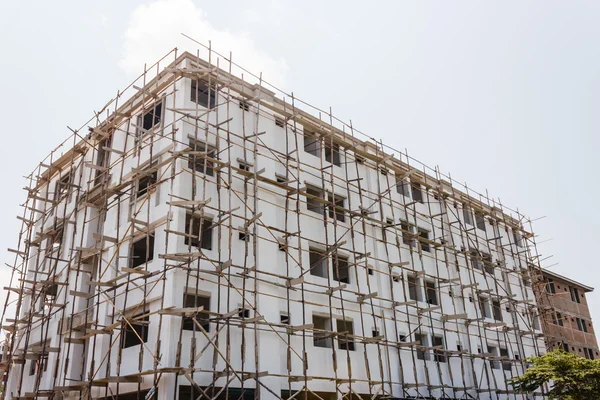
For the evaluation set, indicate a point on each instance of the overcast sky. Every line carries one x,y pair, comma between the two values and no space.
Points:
502,95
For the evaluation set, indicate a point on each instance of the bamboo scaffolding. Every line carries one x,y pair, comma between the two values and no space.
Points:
94,295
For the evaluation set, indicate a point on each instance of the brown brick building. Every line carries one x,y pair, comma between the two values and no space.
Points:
565,316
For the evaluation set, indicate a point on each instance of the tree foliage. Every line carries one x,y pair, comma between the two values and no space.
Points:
569,376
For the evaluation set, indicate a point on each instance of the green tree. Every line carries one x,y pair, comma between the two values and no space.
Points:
569,376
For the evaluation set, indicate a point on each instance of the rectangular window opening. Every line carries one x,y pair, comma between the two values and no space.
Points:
575,295
322,334
497,310
476,259
550,286
414,288
194,235
345,331
312,144
341,269
402,187
198,159
417,193
313,201
484,307
196,301
332,154
318,263
518,238
141,251
336,207
480,220
422,340
467,215
559,319
438,354
407,233
203,93
424,240
506,364
431,293
145,183
495,364
135,332
151,118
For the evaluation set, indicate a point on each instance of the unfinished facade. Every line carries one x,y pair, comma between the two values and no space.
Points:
218,238
565,316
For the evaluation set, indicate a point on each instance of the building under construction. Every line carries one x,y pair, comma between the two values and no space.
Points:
565,314
207,235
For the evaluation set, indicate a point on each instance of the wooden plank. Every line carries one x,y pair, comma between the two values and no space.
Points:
74,340
404,303
94,166
101,284
300,327
429,309
190,203
21,253
105,238
225,265
110,149
181,256
453,317
294,281
135,271
332,290
364,297
400,264
252,320
254,375
186,311
230,314
252,220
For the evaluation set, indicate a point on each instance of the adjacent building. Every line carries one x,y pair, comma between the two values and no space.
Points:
204,235
565,314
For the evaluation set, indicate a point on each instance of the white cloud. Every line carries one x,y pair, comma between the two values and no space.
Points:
156,28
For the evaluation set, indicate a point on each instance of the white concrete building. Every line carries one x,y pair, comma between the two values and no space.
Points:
205,230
